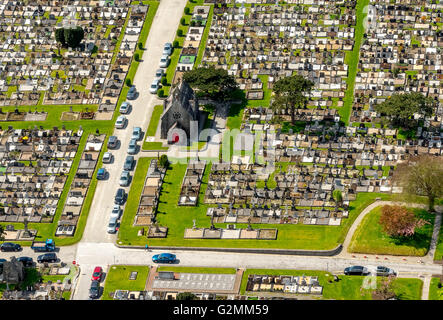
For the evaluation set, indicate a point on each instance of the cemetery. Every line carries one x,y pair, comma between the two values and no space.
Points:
35,165
401,53
35,69
284,284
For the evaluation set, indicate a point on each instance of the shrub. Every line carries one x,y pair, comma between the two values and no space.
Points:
128,82
183,21
175,44
137,57
140,46
187,10
180,32
161,93
163,161
164,81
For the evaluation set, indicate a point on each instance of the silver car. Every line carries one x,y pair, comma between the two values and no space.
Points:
124,179
164,61
155,85
167,49
159,74
107,157
124,108
116,211
112,225
121,122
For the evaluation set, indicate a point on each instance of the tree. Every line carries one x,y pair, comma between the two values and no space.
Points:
128,82
421,176
385,290
175,44
186,296
180,32
140,46
136,57
73,36
187,10
163,161
211,82
291,93
183,21
398,221
400,108
2,233
338,198
60,38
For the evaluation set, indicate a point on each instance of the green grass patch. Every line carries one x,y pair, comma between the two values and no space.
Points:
370,237
348,288
154,146
153,123
117,278
435,293
198,270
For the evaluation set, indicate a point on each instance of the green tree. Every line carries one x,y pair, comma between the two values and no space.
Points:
73,36
60,38
186,296
183,21
128,82
163,161
421,176
175,44
180,32
211,82
2,233
400,108
291,93
187,10
140,46
137,57
338,198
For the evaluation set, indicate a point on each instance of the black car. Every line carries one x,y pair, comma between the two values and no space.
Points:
27,261
94,290
2,260
129,163
356,271
112,142
47,257
9,246
120,196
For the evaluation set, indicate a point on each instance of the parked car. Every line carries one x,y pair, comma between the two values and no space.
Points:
101,174
107,157
97,274
385,271
125,107
159,74
129,163
132,148
112,142
9,246
116,211
164,258
47,257
131,93
137,133
164,61
112,225
2,260
94,290
356,271
155,85
120,196
26,261
121,122
167,49
124,179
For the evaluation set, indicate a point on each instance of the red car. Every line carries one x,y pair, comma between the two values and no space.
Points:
97,275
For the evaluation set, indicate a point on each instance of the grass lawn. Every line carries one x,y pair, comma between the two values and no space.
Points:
117,278
435,293
352,62
198,270
370,237
153,123
154,146
348,288
177,218
439,249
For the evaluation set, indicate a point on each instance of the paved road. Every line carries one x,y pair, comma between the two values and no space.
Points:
163,30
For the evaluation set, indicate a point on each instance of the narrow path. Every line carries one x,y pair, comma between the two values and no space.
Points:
434,240
426,287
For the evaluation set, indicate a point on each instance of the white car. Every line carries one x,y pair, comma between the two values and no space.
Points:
124,108
116,211
159,74
107,157
155,85
167,49
164,61
121,122
112,226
